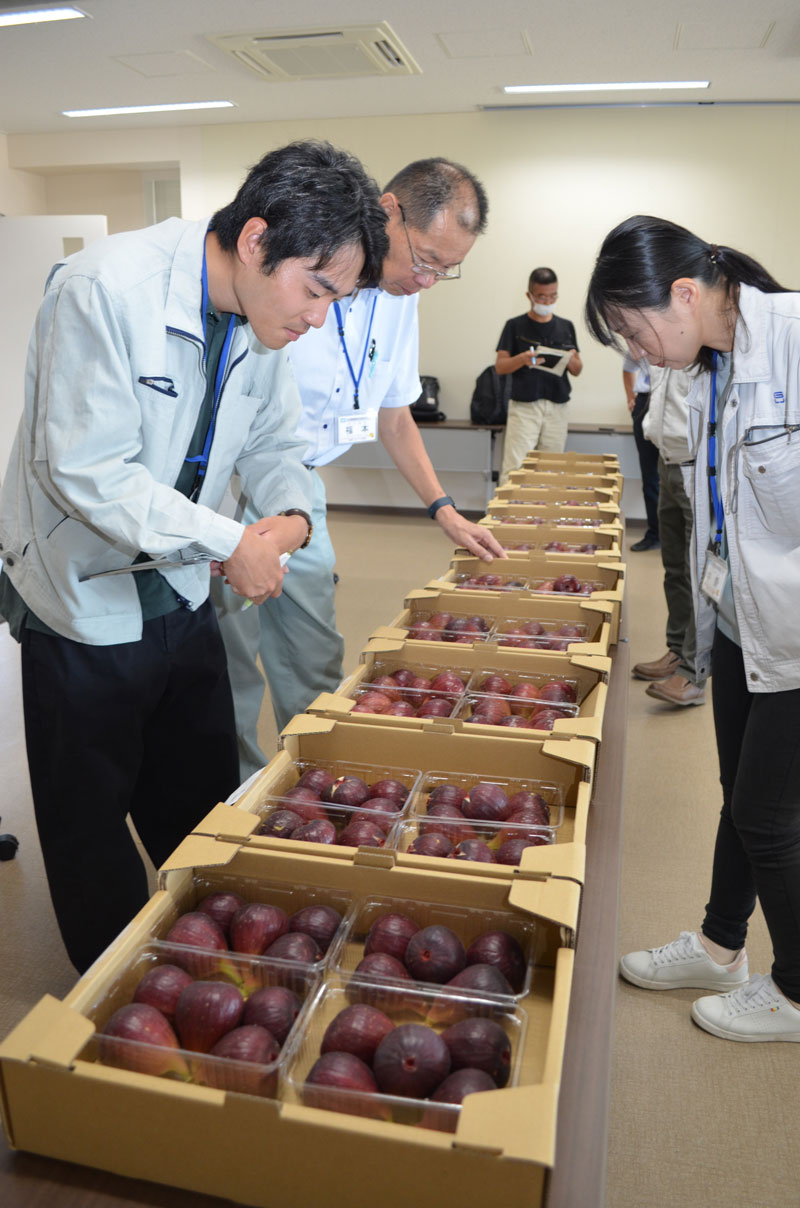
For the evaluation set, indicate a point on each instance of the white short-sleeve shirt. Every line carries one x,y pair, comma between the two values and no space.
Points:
389,348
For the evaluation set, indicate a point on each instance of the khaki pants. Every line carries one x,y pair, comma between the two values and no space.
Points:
538,425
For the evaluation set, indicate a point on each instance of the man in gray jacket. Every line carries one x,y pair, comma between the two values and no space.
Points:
156,369
673,678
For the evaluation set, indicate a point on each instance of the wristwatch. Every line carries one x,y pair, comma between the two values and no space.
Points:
444,502
306,517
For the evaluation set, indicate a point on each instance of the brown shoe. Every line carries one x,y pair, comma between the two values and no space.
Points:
677,691
664,667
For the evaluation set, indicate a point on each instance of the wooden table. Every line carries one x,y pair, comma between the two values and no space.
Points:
578,1180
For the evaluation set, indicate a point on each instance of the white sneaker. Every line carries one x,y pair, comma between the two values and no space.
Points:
756,1011
683,963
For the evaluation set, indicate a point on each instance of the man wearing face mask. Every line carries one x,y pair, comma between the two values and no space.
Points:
537,410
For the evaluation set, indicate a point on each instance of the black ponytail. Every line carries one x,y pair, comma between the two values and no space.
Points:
642,257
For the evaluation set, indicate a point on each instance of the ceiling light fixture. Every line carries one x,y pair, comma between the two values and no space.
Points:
147,108
621,87
34,16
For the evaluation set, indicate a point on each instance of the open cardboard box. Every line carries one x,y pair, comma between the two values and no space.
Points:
514,515
559,495
557,476
607,578
535,537
599,619
267,1152
564,765
566,486
541,458
588,673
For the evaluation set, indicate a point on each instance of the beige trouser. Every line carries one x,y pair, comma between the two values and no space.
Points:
539,425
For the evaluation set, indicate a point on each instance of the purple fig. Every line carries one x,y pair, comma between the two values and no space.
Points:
412,1060
433,843
511,851
274,1008
256,926
435,954
222,906
161,988
502,950
316,779
473,849
347,790
390,933
155,1041
362,832
381,965
320,922
481,1044
487,802
205,1012
281,824
358,1029
295,946
321,830
394,789
483,979
534,802
248,1045
447,794
382,811
463,1082
332,1075
199,931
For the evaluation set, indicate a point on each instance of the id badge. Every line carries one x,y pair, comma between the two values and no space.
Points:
357,428
714,577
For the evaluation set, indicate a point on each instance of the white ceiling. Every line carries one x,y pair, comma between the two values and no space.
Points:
466,51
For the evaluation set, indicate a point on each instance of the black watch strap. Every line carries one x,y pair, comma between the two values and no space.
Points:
306,517
444,502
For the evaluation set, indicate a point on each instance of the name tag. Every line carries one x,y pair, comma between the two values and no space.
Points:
714,577
357,428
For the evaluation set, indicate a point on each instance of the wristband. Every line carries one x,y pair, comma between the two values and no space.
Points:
440,503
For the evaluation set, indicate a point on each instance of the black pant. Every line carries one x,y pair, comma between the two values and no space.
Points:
758,841
143,728
648,465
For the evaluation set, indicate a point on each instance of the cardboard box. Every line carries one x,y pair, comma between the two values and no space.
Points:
540,458
598,619
559,496
605,514
535,538
606,578
589,675
263,1152
565,486
563,766
563,476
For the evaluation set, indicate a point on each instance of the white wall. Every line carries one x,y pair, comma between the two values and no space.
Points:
20,192
558,180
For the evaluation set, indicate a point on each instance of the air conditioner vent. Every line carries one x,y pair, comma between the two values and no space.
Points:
321,54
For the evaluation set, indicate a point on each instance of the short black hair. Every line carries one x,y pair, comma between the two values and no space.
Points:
542,276
315,199
427,186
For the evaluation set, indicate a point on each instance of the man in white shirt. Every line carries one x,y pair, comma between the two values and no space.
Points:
636,380
357,376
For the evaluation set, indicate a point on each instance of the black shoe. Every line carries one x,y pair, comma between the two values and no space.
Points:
646,543
335,578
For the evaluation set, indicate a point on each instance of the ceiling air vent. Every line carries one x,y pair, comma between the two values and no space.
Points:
321,54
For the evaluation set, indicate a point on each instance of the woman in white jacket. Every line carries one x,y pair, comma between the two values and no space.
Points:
681,302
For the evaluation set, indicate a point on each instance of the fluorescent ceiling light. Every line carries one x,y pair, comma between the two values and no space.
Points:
33,16
147,108
622,87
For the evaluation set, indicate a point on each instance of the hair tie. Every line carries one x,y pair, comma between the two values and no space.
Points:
713,254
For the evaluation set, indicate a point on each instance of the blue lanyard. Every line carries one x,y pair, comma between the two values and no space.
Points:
712,459
356,380
201,459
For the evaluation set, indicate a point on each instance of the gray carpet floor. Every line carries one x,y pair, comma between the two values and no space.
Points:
695,1122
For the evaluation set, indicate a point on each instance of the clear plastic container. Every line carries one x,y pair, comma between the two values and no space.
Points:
491,582
526,633
247,976
449,626
409,674
504,518
510,713
435,1010
288,898
468,925
416,702
566,583
329,824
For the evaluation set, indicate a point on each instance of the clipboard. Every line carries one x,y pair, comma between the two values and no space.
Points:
555,359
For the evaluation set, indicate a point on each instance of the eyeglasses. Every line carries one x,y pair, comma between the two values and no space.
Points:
419,266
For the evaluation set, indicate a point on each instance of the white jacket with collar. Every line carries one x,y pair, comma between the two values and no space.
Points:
760,488
114,382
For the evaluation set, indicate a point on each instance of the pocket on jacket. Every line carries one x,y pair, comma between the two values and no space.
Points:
770,472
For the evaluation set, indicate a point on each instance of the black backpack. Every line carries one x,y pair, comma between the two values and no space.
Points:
426,407
490,397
